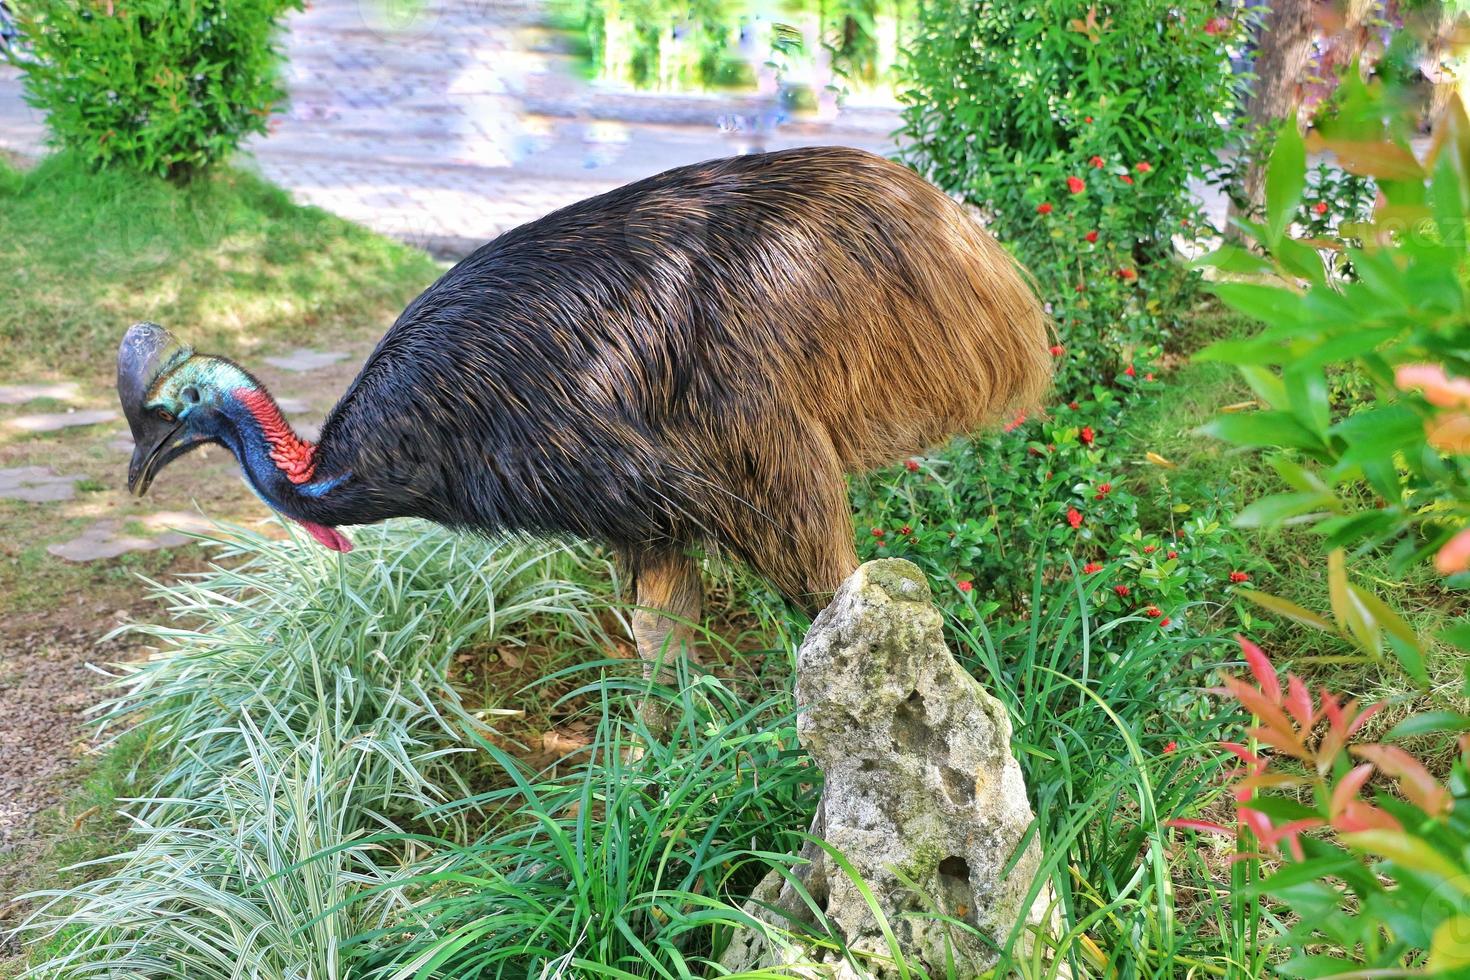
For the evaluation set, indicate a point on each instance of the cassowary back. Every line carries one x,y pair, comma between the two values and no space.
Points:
694,358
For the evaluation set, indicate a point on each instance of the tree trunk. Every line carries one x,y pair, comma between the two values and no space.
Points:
1281,62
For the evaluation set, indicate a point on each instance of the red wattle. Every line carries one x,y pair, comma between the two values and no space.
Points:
327,537
293,455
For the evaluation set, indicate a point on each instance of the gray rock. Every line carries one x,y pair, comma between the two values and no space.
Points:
36,484
55,421
922,794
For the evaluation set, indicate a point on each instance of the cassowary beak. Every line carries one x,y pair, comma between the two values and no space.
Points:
148,351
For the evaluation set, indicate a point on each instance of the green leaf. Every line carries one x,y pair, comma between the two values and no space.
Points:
1268,387
1457,636
1450,948
1428,723
1262,429
1233,258
1286,176
1273,510
1287,609
1411,853
1275,305
1407,646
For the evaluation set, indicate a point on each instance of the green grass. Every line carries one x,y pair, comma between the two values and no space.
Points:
228,260
302,710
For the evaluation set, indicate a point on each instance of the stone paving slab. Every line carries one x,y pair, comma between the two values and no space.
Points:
37,484
19,394
108,539
56,421
303,359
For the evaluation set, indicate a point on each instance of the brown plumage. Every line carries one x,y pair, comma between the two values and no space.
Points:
693,361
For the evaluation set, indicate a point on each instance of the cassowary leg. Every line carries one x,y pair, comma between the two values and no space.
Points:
669,602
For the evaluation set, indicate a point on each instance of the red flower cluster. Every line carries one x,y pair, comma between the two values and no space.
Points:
1130,372
1076,185
964,585
1239,577
1091,236
1057,350
906,530
878,532
1172,555
1149,549
1164,622
1074,517
1321,207
1086,435
1097,162
1153,612
1170,747
1127,274
1103,489
1072,405
1091,568
1016,422
1142,166
1125,178
912,465
1217,25
1043,208
1122,590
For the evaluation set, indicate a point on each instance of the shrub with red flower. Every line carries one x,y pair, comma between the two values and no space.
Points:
965,585
1086,435
1091,568
1043,208
1091,236
1097,161
1142,166
1074,517
1076,185
1238,577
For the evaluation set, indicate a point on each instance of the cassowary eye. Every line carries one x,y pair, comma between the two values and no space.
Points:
165,415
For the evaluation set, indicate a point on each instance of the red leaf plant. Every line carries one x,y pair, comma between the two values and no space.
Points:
1319,734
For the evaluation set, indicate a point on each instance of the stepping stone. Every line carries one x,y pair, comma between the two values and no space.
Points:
20,394
301,359
36,484
106,539
55,421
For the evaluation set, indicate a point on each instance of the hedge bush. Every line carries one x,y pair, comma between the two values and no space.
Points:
1076,127
164,86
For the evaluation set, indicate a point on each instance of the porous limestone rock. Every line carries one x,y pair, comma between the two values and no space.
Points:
922,793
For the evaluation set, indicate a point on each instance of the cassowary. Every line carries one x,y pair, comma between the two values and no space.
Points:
691,362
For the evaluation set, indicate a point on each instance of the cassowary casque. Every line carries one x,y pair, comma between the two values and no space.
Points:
694,361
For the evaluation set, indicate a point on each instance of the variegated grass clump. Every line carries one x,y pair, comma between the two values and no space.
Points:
297,705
